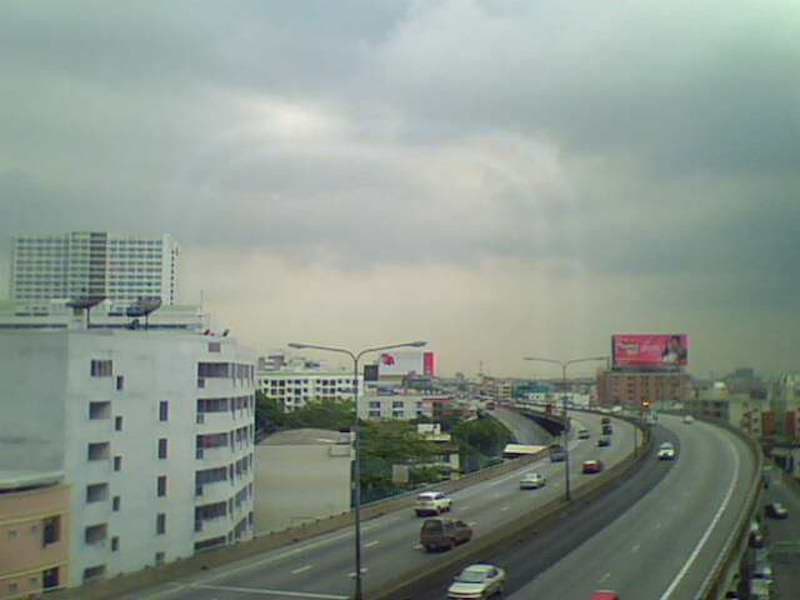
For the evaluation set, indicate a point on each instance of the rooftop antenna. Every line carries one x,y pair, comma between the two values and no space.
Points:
85,304
143,307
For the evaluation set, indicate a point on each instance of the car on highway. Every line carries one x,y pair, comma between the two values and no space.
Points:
592,466
607,429
532,481
583,434
755,538
688,419
432,503
666,451
557,454
776,510
605,420
603,441
605,595
478,581
444,534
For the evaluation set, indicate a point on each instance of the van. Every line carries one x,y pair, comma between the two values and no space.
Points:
583,434
443,533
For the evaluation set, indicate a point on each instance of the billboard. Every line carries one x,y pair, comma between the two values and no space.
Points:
661,351
403,362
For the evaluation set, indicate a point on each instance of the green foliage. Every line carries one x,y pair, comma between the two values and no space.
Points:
322,415
480,440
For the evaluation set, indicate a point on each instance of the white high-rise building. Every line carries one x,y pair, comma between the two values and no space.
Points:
153,431
83,264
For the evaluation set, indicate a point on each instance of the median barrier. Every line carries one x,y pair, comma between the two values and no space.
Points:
441,573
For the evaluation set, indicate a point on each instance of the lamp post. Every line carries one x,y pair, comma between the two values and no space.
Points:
356,356
564,364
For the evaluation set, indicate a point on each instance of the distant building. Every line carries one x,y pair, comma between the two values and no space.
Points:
633,389
785,402
301,475
83,264
736,409
404,406
34,533
152,429
294,389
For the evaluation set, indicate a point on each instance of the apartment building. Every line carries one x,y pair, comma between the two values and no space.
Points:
631,388
152,429
296,388
34,533
83,264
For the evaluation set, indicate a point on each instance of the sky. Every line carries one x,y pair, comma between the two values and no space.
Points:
501,178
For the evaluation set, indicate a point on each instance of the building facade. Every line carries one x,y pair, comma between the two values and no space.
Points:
82,264
294,389
633,389
153,430
34,533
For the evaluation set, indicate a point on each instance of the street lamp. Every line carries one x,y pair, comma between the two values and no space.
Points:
564,364
356,356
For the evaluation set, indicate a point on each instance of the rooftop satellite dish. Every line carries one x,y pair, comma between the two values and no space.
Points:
85,303
143,307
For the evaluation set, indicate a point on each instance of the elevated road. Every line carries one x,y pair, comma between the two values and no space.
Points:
323,568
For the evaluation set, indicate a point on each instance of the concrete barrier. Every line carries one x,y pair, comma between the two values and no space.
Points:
405,588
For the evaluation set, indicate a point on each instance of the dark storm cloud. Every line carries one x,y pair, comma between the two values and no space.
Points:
629,138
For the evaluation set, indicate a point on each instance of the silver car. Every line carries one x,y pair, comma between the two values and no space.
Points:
531,481
478,582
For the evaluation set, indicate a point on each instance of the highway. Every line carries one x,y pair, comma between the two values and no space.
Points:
665,544
323,568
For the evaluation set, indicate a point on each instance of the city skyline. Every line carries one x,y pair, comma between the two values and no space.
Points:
350,176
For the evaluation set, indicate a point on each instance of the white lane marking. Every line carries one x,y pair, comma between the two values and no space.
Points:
264,592
717,516
658,525
465,508
505,508
417,547
301,570
353,574
371,544
636,548
604,577
472,523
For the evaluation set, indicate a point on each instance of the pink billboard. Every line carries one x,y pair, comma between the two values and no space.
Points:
650,351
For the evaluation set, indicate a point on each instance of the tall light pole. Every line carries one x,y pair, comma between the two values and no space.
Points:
564,364
356,356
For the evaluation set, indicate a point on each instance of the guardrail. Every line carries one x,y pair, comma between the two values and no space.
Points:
405,588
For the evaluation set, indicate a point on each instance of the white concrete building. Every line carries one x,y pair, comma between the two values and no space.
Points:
296,388
83,264
153,431
301,475
393,408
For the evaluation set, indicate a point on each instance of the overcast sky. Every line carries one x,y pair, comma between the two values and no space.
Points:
501,178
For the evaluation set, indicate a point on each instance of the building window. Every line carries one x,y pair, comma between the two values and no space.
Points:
97,492
95,534
52,531
93,573
161,486
163,411
114,543
117,463
120,382
160,557
118,424
161,524
214,347
115,502
99,451
50,578
99,410
162,448
101,368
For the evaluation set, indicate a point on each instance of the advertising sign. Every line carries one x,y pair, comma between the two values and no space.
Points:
650,351
403,362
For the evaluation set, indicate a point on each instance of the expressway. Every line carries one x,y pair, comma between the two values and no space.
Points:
322,568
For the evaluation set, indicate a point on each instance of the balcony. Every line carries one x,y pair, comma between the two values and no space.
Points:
218,491
220,455
210,528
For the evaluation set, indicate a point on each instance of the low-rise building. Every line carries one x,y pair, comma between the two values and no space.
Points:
34,533
301,475
632,388
295,387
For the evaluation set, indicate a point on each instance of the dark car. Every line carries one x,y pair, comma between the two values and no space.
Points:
607,429
603,441
443,534
776,510
557,454
605,420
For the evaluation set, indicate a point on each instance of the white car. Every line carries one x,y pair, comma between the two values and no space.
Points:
688,419
477,582
532,481
666,451
432,503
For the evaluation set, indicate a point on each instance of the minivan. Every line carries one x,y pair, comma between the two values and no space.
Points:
443,533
